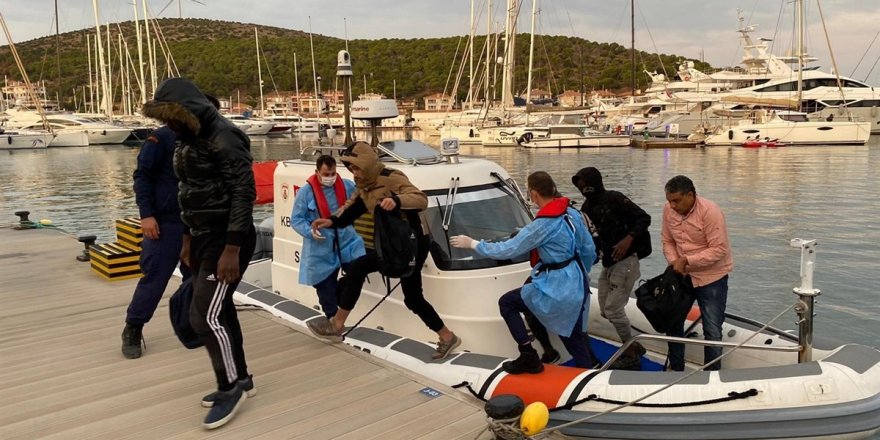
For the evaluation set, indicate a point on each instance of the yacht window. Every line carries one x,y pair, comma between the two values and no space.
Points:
794,117
484,212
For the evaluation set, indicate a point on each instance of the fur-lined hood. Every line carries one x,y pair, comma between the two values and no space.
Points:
180,102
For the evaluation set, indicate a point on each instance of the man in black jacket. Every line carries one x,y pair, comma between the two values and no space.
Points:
155,190
623,240
216,195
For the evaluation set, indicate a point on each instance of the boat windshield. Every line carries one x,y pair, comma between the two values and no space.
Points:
485,212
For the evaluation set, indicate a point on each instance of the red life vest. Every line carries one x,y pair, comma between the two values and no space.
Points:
555,208
323,207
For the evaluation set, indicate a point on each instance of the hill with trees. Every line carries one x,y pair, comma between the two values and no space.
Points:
221,57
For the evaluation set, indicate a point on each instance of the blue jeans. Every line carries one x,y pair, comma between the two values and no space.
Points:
328,295
712,299
512,306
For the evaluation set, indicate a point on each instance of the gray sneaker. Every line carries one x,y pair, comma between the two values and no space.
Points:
444,348
324,329
246,384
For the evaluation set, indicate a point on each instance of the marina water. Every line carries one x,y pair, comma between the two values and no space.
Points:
769,196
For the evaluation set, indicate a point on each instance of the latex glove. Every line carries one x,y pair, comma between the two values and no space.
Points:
463,242
316,234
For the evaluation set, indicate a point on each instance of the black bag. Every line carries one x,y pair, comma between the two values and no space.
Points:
665,299
396,244
178,307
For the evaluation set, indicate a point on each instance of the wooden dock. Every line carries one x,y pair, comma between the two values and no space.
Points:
662,143
64,377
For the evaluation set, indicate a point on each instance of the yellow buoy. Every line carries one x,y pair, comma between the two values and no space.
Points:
45,222
534,418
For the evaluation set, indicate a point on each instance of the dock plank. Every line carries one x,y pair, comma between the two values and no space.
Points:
64,376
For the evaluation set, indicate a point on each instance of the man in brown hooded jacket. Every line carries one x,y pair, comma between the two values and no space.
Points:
392,191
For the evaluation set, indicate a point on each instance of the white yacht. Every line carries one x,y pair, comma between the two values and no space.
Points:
251,127
792,128
24,139
571,136
71,130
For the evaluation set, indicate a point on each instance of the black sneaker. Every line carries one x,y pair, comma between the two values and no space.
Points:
627,363
527,362
550,356
132,337
226,404
246,384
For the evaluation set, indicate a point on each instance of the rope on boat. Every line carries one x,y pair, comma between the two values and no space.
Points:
733,395
387,282
549,431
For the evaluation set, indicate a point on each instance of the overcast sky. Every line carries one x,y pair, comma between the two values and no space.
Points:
685,27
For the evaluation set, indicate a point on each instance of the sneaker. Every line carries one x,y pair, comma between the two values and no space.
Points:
226,404
132,337
550,356
247,385
444,348
525,363
627,363
323,328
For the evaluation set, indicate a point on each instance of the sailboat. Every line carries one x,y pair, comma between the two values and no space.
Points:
791,128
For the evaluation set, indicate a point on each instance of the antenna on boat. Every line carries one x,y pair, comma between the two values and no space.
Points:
344,72
807,294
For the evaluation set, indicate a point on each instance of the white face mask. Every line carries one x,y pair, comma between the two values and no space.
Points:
328,180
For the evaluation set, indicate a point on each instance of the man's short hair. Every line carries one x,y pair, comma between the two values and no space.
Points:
325,159
680,185
542,183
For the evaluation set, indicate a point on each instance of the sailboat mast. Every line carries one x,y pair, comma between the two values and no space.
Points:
632,57
140,73
57,55
259,71
800,52
471,75
312,51
531,59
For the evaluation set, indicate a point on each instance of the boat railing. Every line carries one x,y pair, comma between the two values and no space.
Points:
804,307
702,342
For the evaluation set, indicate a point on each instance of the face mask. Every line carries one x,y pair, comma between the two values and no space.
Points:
587,190
328,181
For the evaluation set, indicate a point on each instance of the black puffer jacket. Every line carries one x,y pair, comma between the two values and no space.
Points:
213,162
615,216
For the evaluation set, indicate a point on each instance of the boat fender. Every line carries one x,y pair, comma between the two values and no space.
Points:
526,137
730,134
104,133
534,419
874,110
9,140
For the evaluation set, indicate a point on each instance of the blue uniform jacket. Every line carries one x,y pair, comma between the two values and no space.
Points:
554,296
155,185
319,259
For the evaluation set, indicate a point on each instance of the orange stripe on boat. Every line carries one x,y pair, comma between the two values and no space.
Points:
694,314
544,387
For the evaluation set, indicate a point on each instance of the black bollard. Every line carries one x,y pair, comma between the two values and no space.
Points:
23,216
87,241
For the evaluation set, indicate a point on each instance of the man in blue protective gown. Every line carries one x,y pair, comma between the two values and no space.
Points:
323,253
558,294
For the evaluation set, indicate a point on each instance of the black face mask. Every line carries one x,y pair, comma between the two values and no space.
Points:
587,190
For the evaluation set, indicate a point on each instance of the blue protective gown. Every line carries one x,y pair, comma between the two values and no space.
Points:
554,296
319,259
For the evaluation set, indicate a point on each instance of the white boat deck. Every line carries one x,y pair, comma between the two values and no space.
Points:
63,376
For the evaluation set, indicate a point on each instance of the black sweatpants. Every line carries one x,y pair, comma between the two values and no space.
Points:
213,314
413,295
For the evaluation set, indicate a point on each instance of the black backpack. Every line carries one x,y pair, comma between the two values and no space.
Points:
396,244
665,299
178,307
